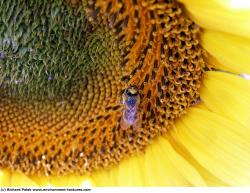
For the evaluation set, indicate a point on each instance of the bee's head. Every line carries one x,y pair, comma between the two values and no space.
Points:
131,96
132,91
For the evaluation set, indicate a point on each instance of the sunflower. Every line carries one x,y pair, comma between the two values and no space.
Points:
60,118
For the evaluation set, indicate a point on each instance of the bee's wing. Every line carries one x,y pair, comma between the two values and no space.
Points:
124,123
131,117
137,121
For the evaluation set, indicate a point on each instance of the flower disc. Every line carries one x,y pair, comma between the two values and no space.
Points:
65,66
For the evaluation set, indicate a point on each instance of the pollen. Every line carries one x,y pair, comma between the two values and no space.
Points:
65,65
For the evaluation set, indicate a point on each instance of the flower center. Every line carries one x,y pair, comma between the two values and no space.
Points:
84,87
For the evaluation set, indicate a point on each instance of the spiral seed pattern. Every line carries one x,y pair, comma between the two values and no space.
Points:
150,44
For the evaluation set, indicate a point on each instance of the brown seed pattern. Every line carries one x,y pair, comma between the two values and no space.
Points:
154,47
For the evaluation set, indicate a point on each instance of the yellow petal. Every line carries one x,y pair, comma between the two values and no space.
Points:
160,165
232,52
180,163
19,179
220,16
41,180
131,172
76,180
236,4
208,177
227,95
69,180
4,178
218,144
165,167
159,170
105,177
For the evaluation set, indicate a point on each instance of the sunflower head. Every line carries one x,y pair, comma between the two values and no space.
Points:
86,84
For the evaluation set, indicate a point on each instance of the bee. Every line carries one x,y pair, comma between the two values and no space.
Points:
131,112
